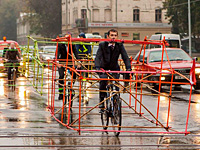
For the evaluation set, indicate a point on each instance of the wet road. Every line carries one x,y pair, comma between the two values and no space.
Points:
27,124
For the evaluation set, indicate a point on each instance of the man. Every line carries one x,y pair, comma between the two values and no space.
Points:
107,59
83,50
12,56
62,58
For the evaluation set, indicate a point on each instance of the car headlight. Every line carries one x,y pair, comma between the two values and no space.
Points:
46,58
197,70
165,71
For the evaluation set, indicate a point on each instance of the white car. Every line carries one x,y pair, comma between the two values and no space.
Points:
94,51
47,52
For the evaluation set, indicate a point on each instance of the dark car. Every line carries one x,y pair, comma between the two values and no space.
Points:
180,61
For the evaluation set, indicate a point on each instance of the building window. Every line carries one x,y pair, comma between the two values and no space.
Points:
136,36
123,34
158,14
96,15
136,15
107,15
83,13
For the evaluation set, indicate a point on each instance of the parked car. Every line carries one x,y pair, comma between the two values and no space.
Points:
94,51
180,61
47,52
174,40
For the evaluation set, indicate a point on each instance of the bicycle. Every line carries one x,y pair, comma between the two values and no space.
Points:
69,95
12,73
112,110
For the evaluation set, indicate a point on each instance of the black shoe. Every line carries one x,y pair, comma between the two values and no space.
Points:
60,97
101,111
126,84
101,105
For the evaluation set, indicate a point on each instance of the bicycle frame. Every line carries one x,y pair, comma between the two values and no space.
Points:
112,110
109,93
13,73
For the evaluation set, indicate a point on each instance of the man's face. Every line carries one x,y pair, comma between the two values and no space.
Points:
112,35
12,45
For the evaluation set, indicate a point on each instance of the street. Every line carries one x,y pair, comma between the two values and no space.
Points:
26,123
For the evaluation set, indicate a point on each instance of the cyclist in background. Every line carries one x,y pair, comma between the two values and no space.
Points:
107,59
12,56
83,50
61,57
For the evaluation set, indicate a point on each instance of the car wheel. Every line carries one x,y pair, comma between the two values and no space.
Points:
197,86
177,87
155,86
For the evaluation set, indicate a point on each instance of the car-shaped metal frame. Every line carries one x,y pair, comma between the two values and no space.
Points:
179,61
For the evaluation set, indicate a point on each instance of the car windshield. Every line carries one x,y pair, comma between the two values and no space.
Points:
95,48
4,45
174,55
49,50
173,43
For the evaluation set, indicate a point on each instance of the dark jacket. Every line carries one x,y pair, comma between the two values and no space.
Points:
12,54
107,58
83,48
62,52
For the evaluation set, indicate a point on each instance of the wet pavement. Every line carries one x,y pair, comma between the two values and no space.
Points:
27,124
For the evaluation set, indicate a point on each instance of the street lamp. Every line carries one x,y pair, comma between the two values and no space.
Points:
189,28
116,10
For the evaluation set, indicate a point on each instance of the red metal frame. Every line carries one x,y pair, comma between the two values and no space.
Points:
139,70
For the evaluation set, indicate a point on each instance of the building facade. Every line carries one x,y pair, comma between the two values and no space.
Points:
23,30
134,19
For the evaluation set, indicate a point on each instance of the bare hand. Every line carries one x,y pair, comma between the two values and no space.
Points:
59,65
79,66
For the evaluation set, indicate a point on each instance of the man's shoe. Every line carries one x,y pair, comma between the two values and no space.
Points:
60,97
101,111
101,106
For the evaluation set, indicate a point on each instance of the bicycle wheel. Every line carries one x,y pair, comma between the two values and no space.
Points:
105,118
14,76
66,115
116,117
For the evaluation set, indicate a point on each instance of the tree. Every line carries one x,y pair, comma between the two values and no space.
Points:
9,12
44,17
177,11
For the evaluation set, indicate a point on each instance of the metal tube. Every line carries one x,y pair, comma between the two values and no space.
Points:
189,28
116,10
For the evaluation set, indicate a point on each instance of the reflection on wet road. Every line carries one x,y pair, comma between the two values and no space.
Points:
26,122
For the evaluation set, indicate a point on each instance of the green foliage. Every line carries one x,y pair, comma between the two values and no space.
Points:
8,13
177,11
44,17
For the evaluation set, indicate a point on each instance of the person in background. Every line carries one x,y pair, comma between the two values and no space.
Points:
84,52
61,57
83,49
